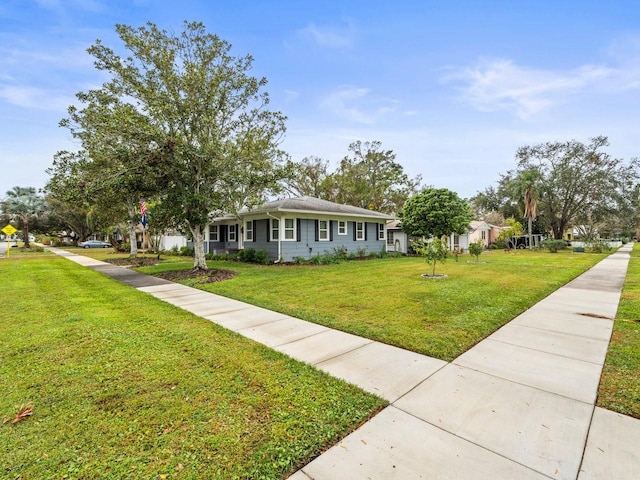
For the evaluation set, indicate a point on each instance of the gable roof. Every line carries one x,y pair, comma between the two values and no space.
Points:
312,205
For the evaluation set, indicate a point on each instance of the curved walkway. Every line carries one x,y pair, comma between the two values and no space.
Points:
518,405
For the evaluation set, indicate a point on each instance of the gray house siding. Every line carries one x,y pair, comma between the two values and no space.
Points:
261,239
307,243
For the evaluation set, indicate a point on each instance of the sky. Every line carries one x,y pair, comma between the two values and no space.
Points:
453,88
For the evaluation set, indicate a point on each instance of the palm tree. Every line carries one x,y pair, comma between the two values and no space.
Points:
526,185
23,203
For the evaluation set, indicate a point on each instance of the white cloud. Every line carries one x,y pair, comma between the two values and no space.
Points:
330,37
501,84
356,105
35,98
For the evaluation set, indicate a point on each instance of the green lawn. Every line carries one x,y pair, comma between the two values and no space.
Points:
620,382
126,386
387,300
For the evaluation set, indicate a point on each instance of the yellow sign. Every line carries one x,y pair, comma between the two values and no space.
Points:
9,229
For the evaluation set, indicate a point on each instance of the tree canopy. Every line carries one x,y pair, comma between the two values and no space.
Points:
23,204
435,212
558,185
181,119
576,181
367,178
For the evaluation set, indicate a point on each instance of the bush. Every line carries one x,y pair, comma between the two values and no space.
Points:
261,256
124,247
340,253
247,255
250,255
476,248
187,251
553,245
598,246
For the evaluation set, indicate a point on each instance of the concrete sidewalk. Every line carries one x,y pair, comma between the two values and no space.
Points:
520,404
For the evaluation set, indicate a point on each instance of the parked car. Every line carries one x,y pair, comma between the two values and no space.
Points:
94,244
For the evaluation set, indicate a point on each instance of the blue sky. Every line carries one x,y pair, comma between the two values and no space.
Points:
452,87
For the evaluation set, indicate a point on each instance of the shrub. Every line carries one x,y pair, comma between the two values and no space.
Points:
476,248
340,252
553,245
250,255
261,256
598,246
247,255
187,251
361,252
432,250
124,247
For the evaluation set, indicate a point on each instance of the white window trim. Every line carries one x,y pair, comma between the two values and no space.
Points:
342,227
276,230
248,231
292,230
233,234
325,230
214,233
381,230
360,233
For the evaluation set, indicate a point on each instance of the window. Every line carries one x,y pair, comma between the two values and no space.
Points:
390,237
232,233
289,229
484,235
248,231
323,230
214,233
359,230
381,231
342,227
275,229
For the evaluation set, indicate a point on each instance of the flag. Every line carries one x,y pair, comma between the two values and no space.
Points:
143,213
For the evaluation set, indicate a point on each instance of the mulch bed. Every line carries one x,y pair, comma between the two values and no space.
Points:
202,276
133,262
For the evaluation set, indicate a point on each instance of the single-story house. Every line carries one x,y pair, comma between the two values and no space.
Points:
398,241
478,230
300,227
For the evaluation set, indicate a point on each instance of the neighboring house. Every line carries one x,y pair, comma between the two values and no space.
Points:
303,227
300,227
398,241
478,230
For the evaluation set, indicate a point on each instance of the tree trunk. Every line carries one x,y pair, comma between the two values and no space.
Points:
530,239
26,233
199,262
133,251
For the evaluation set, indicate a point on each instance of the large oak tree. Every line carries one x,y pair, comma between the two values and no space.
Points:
216,139
575,182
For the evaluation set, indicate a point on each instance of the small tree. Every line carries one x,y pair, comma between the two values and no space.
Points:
433,250
509,234
435,212
476,248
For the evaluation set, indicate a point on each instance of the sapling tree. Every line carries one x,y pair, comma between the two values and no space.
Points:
476,248
433,250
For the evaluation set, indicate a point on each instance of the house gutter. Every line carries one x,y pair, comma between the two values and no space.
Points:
279,239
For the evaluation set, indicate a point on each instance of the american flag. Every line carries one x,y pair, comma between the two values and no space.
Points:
143,213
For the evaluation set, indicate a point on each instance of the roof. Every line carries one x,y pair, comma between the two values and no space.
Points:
307,204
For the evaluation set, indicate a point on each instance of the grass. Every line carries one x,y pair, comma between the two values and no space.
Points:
620,383
125,386
387,300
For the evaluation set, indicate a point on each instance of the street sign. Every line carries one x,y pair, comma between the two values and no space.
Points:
9,229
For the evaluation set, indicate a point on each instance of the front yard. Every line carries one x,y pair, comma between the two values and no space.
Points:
387,300
122,385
